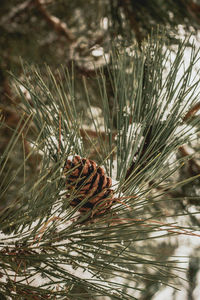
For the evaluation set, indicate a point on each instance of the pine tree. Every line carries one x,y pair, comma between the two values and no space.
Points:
123,165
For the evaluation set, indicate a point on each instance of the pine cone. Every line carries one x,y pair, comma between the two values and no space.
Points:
88,181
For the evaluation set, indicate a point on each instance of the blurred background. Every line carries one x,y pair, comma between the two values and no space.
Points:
59,32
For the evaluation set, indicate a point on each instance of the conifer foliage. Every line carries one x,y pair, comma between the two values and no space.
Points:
48,248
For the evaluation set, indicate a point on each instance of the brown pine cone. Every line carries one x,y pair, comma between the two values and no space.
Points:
88,181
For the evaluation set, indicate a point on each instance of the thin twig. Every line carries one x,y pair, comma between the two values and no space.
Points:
42,230
59,144
55,22
131,16
15,11
192,112
93,134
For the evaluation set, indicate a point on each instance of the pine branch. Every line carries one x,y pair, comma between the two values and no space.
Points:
49,243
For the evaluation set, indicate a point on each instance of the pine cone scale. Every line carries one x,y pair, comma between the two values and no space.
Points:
90,184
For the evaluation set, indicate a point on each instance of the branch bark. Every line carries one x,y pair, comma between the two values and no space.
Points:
15,11
194,166
192,112
55,22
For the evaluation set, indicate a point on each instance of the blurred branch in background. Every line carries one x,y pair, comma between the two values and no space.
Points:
57,24
15,12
